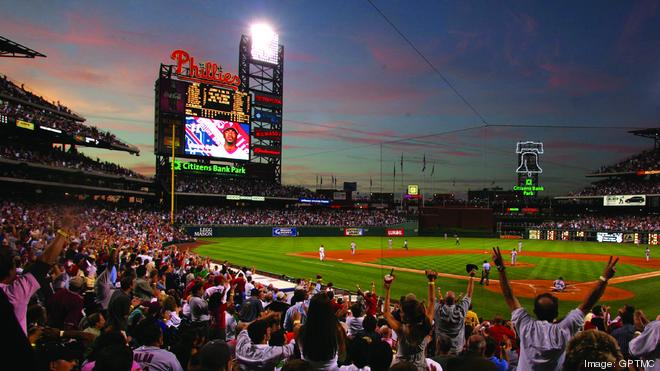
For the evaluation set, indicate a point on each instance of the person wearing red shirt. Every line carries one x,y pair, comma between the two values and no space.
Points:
239,282
499,330
370,300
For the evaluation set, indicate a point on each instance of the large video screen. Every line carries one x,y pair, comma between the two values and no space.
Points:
217,138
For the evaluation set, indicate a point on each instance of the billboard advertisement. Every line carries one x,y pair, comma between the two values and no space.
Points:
353,232
264,116
267,151
609,237
267,134
316,201
201,232
624,200
534,234
217,138
285,232
173,95
395,232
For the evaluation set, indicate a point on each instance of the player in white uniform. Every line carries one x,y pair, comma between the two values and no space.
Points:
514,254
648,253
321,253
519,246
389,243
405,244
353,245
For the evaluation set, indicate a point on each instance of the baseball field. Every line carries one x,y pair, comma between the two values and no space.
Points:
637,281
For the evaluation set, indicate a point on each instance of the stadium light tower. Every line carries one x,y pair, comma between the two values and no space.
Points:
261,70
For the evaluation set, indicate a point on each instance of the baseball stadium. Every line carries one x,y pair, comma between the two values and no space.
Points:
398,195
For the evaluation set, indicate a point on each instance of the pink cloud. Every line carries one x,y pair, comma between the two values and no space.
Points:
578,81
602,147
297,56
396,59
144,169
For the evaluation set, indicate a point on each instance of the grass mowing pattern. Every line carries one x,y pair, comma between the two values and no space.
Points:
269,254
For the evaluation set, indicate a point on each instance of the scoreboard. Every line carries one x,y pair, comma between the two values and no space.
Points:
216,107
219,103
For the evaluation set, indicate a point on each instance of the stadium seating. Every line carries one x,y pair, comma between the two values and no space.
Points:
301,216
70,159
22,104
226,185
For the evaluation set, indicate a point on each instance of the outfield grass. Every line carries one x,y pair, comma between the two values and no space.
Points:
269,254
544,268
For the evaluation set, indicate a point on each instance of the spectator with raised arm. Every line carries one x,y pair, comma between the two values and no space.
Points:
19,289
413,330
543,342
450,316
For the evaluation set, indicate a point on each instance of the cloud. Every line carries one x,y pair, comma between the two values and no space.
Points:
642,12
577,80
144,169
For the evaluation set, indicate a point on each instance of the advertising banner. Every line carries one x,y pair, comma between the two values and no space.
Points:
25,124
395,232
339,195
353,232
285,232
609,237
201,232
534,234
624,200
314,201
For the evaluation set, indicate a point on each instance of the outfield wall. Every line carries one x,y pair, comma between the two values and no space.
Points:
401,230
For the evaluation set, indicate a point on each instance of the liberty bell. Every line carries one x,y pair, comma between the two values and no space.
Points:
528,157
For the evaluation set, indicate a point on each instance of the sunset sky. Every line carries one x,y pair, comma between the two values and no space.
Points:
351,82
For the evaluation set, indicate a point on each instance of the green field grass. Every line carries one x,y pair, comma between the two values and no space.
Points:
270,254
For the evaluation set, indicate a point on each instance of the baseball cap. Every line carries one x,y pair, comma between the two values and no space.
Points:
280,295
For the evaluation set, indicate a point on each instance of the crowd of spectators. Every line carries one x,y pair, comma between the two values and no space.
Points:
607,223
239,186
647,160
97,288
622,187
42,112
58,157
298,216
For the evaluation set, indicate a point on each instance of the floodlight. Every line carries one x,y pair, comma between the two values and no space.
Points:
264,43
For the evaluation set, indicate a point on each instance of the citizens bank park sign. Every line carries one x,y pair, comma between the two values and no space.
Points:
209,168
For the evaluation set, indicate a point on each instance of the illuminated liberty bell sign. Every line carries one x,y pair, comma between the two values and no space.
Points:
528,157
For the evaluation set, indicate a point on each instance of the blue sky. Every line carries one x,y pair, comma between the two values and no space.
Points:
351,82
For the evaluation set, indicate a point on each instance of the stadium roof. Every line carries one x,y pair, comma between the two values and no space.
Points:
10,49
651,133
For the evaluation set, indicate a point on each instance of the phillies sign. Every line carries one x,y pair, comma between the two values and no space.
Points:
208,72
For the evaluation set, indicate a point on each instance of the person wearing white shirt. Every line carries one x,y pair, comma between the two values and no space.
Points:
542,341
253,351
321,253
150,356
